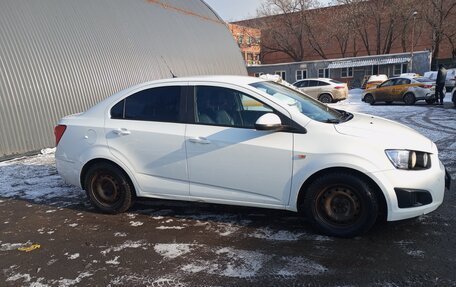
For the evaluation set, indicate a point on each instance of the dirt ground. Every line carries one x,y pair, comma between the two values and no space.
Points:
51,236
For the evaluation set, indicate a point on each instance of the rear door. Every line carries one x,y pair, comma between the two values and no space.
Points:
146,132
400,87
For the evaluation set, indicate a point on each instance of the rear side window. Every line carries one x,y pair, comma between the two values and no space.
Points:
313,83
320,83
157,104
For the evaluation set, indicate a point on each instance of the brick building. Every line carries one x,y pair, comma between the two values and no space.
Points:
355,48
249,40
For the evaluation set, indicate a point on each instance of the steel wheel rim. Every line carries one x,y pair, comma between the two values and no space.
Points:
339,206
106,189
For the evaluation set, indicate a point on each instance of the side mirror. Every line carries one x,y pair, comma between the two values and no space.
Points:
268,122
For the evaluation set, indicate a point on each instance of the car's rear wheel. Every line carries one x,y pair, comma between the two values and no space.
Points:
368,98
341,204
325,98
109,188
409,99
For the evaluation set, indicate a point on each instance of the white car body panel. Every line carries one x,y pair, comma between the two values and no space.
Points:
236,164
244,166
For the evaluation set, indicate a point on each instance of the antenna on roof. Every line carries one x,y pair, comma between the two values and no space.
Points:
171,71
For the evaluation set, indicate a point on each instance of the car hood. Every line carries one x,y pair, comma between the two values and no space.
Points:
387,133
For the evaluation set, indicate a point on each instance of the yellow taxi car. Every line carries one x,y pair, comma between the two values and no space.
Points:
401,89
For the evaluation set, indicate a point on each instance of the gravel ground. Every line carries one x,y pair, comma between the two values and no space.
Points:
51,236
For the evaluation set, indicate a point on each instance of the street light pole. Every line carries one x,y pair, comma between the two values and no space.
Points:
413,41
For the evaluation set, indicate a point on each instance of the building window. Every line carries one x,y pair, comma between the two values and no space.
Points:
399,69
347,72
240,39
282,74
323,73
301,74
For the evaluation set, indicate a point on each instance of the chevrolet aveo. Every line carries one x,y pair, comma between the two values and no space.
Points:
251,142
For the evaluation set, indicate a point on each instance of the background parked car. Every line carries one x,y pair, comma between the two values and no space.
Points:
373,81
407,90
450,81
324,90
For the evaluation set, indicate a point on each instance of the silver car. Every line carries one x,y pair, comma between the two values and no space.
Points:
322,89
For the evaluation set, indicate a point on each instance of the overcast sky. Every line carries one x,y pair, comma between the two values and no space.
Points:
233,10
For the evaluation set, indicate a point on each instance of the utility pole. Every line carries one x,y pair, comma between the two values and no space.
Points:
413,41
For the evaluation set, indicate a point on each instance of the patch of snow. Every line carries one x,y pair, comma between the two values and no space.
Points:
169,227
136,223
126,244
13,246
73,225
120,234
19,276
51,211
242,263
416,253
300,266
71,282
280,235
172,250
114,261
73,256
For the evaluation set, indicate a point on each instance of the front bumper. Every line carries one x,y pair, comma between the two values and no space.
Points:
419,185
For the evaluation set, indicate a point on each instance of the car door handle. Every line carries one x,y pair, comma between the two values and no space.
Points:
200,140
122,132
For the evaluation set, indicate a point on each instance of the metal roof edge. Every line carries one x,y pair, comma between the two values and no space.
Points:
339,59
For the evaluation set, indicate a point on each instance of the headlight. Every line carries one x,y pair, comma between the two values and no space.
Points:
408,159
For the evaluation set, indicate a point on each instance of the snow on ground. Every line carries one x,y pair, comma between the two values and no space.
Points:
35,179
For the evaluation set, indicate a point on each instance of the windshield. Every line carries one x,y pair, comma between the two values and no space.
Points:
303,103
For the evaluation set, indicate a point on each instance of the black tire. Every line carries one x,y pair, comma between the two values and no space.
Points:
409,99
368,98
430,101
340,204
109,188
325,98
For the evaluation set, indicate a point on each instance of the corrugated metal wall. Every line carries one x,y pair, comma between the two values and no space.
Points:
59,57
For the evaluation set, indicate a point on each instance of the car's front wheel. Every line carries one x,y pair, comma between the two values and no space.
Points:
340,204
109,188
368,98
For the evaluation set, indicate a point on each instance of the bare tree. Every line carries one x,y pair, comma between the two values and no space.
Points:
287,26
440,15
378,23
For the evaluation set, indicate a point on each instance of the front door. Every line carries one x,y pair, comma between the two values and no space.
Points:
228,160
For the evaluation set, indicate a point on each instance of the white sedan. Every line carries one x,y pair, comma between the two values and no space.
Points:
251,142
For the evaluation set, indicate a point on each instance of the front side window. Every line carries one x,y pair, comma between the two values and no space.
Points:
387,83
302,84
227,107
156,104
302,103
